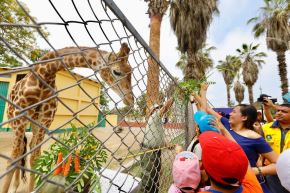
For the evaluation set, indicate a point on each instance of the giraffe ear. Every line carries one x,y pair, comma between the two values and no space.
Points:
124,52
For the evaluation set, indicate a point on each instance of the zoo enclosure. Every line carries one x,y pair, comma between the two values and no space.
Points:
104,28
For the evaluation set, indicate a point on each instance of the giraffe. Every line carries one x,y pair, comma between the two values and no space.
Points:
113,68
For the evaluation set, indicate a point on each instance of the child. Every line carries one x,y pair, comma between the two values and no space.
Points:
186,173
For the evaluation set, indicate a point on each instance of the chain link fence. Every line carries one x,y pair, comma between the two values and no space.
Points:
85,130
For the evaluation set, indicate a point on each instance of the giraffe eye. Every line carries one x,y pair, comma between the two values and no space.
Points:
116,73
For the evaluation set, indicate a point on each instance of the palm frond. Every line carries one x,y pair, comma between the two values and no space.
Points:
190,21
252,61
254,19
239,91
274,20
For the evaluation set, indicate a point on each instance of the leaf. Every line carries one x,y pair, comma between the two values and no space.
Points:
245,47
82,182
86,176
254,19
44,168
79,188
255,47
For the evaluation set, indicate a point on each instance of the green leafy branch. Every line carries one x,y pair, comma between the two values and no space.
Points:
91,149
191,86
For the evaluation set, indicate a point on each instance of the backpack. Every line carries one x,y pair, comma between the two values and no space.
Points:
194,144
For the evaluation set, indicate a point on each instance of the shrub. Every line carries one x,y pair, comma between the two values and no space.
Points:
91,153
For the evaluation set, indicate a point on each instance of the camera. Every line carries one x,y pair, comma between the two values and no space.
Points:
262,96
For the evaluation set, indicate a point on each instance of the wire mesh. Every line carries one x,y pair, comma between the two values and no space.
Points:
62,107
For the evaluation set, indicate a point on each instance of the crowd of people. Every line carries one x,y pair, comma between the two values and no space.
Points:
235,154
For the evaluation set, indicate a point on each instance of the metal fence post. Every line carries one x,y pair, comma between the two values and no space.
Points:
189,125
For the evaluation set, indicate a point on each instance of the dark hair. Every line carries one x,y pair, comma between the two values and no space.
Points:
250,112
285,105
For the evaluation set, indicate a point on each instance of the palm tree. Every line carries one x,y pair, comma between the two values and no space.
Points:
201,62
229,68
156,11
182,62
190,21
251,62
239,91
274,21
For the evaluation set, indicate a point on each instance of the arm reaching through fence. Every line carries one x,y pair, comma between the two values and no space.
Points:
166,107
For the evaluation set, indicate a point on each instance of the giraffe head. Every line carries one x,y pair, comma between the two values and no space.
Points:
118,76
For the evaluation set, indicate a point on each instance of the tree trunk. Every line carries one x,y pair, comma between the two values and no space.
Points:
189,71
229,95
151,163
282,67
153,67
250,90
190,126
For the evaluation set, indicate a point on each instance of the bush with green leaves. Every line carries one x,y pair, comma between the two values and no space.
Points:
191,86
92,156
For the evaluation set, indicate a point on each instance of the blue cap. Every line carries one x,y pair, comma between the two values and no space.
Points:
198,115
286,97
202,119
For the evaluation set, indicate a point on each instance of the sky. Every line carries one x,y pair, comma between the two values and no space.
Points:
227,32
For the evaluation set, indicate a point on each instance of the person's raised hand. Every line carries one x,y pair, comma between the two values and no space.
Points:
192,98
217,124
268,103
203,86
178,148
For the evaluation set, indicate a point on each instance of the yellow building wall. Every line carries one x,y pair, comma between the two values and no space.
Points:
11,78
112,120
78,103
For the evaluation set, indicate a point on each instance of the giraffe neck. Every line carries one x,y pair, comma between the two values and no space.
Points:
71,57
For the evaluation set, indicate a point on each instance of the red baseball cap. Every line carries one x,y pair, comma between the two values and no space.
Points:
224,160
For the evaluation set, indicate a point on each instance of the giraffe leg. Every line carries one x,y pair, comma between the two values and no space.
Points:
16,181
45,118
35,153
18,133
17,171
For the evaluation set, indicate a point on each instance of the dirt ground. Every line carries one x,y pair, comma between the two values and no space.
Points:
117,144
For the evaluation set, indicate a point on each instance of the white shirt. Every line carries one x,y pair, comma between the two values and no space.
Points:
154,132
196,150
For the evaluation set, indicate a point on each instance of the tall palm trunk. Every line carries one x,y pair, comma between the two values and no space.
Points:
282,71
189,68
153,67
151,163
250,90
229,95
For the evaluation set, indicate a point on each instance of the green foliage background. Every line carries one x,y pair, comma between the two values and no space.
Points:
21,39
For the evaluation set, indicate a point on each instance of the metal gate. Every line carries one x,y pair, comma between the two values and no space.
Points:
101,120
3,92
